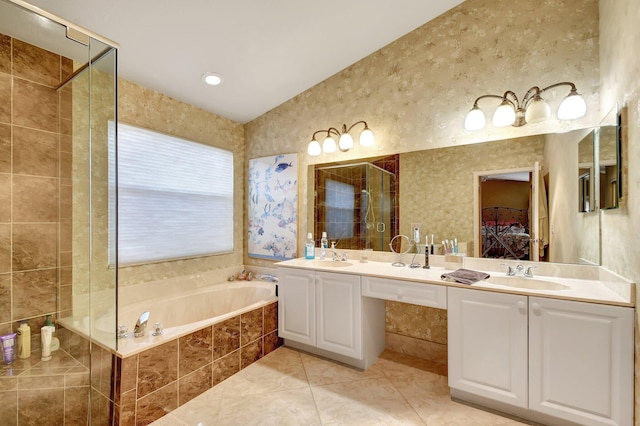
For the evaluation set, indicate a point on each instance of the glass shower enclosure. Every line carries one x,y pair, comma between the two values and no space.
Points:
356,205
57,96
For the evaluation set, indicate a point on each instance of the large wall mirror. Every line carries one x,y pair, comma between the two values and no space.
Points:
435,189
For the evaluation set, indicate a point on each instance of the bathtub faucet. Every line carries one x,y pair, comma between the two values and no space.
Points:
141,325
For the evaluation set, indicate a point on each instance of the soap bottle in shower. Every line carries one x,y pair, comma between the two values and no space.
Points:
23,345
310,247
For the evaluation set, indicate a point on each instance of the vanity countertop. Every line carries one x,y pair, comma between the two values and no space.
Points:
585,290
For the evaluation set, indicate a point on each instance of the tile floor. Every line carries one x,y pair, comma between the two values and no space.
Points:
288,387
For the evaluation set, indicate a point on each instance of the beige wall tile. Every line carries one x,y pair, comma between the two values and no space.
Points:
34,246
5,247
5,145
34,293
35,152
35,64
5,297
5,98
46,405
35,199
5,54
5,198
34,105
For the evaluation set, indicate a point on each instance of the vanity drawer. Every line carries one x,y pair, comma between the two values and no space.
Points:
405,291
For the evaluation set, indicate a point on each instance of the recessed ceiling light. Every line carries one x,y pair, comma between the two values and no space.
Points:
212,78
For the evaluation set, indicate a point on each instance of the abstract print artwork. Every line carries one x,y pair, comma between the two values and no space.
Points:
273,207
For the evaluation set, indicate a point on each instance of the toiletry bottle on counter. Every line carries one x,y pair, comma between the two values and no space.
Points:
8,343
324,245
310,247
23,346
46,333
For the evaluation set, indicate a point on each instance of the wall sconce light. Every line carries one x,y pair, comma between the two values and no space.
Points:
532,109
345,141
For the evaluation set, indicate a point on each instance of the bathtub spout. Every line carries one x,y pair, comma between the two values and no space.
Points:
141,324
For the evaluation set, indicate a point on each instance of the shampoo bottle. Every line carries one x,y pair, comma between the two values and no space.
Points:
310,247
46,332
24,340
55,342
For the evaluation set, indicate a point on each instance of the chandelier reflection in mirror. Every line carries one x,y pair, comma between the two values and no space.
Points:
532,108
345,141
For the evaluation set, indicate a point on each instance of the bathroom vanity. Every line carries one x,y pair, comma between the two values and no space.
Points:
553,349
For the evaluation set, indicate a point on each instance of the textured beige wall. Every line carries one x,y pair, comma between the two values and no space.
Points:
146,108
620,81
415,92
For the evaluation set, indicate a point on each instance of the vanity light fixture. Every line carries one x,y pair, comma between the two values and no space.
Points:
212,78
532,108
345,141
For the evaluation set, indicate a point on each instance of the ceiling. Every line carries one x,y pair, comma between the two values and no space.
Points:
266,51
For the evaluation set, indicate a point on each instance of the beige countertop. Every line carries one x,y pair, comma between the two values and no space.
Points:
578,289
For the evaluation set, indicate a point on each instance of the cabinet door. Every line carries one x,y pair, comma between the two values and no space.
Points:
297,305
339,318
581,361
487,335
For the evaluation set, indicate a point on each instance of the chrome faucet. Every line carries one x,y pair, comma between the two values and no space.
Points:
335,256
519,271
141,324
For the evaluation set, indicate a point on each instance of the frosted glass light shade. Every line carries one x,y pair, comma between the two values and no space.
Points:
572,107
537,111
346,142
475,119
505,115
314,148
329,145
366,138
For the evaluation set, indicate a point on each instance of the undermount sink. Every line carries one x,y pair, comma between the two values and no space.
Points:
527,283
331,263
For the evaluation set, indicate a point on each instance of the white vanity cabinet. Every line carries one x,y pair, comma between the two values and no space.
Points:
325,313
542,358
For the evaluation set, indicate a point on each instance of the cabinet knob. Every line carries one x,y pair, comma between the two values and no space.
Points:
522,307
535,307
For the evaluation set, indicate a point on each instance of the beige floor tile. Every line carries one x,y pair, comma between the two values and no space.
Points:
201,410
280,370
170,420
321,371
365,402
287,407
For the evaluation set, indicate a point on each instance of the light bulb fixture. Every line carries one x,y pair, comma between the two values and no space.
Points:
345,140
212,78
532,108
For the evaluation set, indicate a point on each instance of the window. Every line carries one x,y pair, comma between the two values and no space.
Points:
340,207
175,197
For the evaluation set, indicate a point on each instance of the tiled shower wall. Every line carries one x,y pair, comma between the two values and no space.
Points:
35,191
35,232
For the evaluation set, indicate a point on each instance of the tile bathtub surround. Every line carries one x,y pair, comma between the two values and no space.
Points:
154,382
291,387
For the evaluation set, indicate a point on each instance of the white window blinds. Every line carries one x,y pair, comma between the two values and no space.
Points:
175,197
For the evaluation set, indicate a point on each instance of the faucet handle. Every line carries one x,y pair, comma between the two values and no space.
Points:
510,272
122,332
157,329
529,271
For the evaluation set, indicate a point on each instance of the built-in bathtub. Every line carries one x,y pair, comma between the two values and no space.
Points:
210,331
